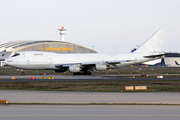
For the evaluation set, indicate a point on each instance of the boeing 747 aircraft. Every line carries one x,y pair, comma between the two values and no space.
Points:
84,63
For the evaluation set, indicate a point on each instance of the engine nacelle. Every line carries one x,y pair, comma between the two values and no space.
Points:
74,69
100,67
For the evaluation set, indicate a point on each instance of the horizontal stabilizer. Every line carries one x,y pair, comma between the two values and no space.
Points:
153,56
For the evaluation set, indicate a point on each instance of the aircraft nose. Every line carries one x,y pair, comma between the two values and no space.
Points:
5,62
8,62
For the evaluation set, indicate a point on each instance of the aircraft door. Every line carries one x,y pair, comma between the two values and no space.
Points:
28,61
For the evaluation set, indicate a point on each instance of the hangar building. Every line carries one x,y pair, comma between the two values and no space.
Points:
9,48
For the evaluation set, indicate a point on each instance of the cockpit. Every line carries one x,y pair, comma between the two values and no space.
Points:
16,54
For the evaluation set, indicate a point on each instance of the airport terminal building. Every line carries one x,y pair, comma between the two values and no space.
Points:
10,48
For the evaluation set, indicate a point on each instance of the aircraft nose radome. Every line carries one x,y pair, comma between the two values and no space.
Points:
5,62
8,62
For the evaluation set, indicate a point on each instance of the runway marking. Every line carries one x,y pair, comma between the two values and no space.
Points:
6,116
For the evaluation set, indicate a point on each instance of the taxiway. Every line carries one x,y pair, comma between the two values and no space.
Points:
25,96
89,112
81,78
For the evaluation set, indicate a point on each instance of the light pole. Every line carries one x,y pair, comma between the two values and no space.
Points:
93,47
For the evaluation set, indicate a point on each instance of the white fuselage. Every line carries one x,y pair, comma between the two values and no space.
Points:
48,60
83,62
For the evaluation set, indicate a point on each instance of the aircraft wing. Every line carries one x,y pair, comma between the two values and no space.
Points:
66,65
90,64
116,62
104,62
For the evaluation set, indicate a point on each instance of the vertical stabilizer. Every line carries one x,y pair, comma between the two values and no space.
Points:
154,43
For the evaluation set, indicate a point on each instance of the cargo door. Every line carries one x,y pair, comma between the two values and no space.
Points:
27,58
28,61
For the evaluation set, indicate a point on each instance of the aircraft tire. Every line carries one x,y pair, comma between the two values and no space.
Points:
78,73
83,73
22,73
87,73
90,73
74,73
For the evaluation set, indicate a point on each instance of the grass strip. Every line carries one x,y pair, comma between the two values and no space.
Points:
99,86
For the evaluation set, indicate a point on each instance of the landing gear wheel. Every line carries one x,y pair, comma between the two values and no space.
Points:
78,73
83,73
22,73
74,73
87,73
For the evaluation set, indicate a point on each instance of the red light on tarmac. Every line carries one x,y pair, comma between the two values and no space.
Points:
33,78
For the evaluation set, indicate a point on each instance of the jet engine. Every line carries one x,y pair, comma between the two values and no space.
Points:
74,68
100,67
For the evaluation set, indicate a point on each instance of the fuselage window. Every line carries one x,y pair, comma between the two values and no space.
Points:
15,55
3,54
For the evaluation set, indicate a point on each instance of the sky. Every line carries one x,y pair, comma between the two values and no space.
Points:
108,25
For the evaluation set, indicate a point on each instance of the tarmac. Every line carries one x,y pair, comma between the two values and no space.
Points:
89,112
25,96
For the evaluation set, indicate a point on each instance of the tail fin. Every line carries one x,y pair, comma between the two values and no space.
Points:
154,43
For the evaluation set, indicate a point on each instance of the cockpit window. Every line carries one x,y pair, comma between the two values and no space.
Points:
15,54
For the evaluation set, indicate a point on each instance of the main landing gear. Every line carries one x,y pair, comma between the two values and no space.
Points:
83,73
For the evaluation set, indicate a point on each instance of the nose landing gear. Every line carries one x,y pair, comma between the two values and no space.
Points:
22,73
